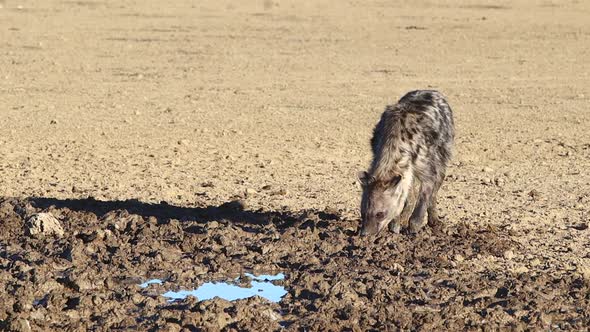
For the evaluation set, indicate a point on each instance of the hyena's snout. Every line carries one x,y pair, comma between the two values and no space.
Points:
367,230
373,225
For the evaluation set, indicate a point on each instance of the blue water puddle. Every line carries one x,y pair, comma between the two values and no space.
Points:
151,281
261,285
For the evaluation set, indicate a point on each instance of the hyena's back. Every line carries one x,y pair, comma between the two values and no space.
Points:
418,131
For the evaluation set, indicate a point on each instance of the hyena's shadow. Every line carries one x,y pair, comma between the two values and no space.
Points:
231,211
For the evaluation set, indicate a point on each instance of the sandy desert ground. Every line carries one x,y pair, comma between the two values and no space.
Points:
193,141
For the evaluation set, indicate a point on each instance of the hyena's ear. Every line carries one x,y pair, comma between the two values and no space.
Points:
364,178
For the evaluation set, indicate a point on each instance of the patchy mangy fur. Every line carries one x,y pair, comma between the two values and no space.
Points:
412,145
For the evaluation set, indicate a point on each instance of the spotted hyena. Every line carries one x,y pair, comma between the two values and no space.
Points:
412,146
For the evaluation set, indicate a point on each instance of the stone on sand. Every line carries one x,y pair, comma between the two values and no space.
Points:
44,224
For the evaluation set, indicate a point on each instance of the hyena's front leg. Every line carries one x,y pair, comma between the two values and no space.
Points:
417,220
404,217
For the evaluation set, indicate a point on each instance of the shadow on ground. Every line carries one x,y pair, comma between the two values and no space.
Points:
232,211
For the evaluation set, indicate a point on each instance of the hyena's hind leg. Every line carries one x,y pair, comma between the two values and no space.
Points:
433,218
404,218
417,220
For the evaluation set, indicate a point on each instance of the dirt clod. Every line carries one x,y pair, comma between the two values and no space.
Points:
508,254
44,224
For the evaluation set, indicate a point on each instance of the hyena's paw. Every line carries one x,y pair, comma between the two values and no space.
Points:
433,220
416,225
395,226
404,220
436,225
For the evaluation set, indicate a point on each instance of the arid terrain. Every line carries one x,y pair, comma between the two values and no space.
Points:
195,141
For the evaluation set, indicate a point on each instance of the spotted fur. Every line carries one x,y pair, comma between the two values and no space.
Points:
412,146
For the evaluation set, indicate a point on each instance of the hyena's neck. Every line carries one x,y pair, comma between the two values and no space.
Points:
391,161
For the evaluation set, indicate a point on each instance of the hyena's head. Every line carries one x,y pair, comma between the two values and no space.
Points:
382,201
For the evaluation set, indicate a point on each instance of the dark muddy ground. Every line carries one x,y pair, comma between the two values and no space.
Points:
199,102
456,278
